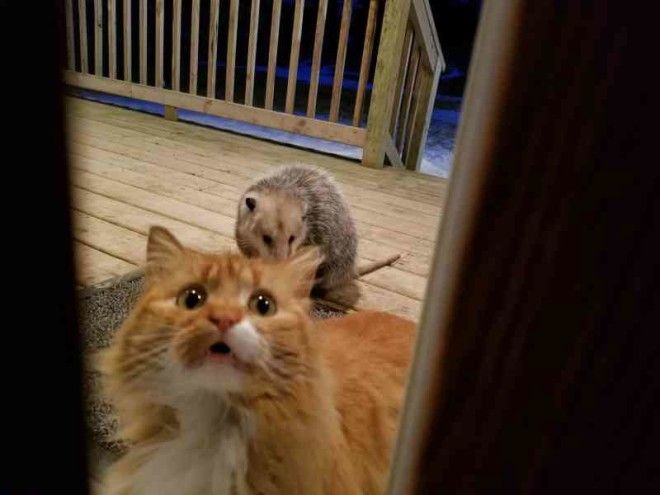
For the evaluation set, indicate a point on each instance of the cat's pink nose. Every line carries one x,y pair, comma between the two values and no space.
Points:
223,323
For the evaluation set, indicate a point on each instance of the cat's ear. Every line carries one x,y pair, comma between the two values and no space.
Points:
163,250
303,265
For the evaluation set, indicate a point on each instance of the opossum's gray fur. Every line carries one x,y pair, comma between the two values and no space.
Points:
327,216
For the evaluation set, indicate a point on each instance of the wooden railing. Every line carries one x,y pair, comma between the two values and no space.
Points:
409,62
408,69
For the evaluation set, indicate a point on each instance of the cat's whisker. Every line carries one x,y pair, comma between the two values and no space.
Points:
141,370
139,362
161,334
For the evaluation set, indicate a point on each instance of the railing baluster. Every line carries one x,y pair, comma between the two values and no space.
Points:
231,50
143,41
112,39
214,18
194,47
403,72
160,40
408,93
98,38
295,53
316,58
176,45
70,38
252,53
341,60
82,28
365,65
128,57
272,53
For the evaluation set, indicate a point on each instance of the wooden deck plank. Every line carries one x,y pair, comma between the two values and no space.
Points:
431,194
144,122
132,170
367,208
113,240
137,221
93,266
121,167
162,185
395,194
391,179
398,281
375,297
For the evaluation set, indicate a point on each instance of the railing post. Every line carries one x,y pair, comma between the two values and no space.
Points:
420,126
395,20
170,113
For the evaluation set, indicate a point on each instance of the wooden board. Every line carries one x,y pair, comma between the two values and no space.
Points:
272,52
160,42
194,47
293,123
93,266
252,53
231,50
426,189
143,41
214,19
82,30
337,83
366,209
132,170
128,60
316,58
112,39
176,44
296,35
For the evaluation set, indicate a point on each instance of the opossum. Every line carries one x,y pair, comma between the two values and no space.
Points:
295,206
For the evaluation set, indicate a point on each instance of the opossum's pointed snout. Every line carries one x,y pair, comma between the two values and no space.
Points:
281,253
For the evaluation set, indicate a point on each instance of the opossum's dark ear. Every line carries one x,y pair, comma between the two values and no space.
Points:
251,203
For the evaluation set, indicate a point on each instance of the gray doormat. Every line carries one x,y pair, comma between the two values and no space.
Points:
103,308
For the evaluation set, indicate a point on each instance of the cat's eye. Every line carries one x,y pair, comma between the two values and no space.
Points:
262,303
291,239
192,297
268,240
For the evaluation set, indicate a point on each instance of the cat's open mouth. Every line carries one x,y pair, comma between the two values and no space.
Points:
220,348
221,353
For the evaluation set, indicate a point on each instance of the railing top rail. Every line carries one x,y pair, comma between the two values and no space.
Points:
427,34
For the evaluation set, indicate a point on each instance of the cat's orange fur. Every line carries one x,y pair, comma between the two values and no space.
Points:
305,407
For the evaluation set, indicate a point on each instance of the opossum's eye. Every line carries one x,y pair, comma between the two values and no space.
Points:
268,240
251,203
291,239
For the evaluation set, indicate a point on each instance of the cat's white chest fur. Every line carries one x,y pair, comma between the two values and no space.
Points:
209,456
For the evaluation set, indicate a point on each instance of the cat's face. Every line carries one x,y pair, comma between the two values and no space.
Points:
224,324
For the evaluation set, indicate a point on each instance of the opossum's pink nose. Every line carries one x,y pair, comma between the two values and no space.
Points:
281,253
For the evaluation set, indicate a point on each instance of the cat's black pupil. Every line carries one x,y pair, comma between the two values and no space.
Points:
268,239
193,298
263,304
291,239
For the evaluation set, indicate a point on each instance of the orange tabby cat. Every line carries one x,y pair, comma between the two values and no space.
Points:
224,385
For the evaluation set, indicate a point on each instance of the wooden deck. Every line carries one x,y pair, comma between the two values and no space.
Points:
131,170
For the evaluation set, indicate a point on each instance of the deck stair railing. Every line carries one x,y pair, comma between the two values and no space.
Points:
105,52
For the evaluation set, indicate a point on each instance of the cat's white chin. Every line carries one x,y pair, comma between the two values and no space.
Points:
219,376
